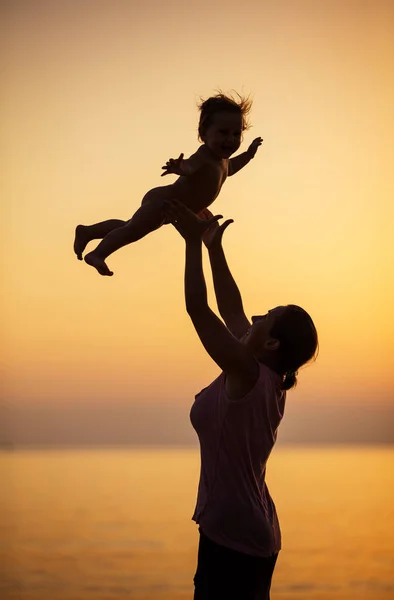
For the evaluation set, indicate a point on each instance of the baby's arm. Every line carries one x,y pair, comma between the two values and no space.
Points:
186,166
239,162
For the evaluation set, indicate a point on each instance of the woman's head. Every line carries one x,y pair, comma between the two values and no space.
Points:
223,119
285,339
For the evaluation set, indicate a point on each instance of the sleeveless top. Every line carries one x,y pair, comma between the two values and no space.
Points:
234,507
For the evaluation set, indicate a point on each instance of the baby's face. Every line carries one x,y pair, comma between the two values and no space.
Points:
223,136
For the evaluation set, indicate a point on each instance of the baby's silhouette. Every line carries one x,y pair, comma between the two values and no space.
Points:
222,122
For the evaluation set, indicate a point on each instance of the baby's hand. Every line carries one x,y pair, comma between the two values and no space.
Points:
253,146
173,166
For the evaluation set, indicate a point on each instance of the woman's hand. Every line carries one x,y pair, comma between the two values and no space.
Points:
189,225
212,237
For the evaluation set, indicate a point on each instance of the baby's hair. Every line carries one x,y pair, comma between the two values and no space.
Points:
223,103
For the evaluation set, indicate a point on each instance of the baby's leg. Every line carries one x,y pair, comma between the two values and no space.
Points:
86,233
146,219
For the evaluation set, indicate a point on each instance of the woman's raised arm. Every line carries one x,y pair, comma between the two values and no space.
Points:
227,293
233,357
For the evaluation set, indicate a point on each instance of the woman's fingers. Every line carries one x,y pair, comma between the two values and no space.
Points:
218,232
169,210
176,208
224,225
184,209
178,212
213,220
176,202
205,214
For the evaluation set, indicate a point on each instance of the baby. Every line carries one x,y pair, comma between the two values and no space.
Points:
222,122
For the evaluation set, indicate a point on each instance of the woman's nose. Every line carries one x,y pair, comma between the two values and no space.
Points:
257,318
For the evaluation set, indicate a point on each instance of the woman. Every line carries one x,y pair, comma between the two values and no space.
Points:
236,417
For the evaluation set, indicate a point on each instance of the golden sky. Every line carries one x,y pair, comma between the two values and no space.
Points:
97,95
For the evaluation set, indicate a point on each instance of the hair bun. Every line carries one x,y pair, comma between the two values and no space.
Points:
290,380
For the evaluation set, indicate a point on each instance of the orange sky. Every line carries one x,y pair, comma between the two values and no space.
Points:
97,95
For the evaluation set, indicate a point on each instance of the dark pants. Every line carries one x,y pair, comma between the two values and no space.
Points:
224,574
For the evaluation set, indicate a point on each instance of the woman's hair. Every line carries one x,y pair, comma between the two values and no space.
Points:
299,343
223,103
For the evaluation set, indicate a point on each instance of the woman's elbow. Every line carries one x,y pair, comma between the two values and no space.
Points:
196,306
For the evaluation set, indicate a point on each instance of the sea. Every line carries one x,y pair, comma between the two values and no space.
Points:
115,523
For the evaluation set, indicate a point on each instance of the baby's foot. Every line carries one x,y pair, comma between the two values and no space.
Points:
80,241
98,263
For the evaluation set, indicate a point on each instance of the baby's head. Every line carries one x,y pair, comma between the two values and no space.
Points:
223,119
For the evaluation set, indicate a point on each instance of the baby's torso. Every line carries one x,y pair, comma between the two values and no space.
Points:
199,190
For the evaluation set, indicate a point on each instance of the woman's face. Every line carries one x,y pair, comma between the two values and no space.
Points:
258,338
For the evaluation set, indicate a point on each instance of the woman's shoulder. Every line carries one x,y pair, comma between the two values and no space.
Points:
240,387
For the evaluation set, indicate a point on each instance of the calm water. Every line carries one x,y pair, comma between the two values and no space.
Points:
116,524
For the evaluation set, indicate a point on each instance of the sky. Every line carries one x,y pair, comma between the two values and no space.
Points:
96,96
